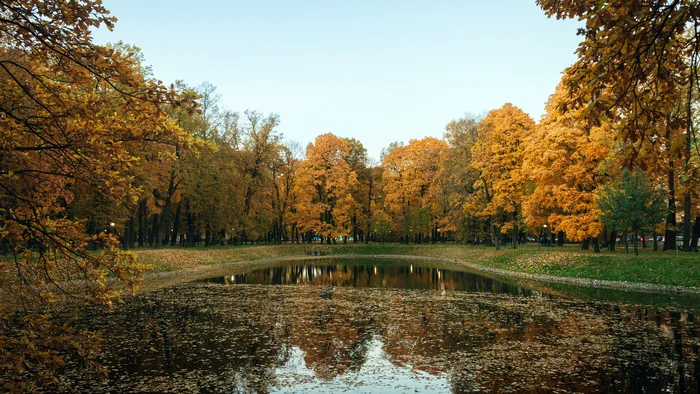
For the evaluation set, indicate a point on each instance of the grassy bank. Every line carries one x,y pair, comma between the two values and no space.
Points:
649,267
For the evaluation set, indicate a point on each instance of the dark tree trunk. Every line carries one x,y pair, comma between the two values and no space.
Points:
125,237
172,187
191,228
613,241
605,239
670,234
586,243
688,145
354,228
686,223
176,225
207,235
560,238
154,230
596,246
696,235
128,237
142,222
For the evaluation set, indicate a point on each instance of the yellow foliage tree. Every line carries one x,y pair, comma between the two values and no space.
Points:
411,186
324,189
498,157
562,158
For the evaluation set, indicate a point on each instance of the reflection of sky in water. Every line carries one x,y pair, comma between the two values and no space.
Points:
377,375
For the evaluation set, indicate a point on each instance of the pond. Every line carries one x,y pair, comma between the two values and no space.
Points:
387,326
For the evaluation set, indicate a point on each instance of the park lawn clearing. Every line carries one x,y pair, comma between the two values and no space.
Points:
649,267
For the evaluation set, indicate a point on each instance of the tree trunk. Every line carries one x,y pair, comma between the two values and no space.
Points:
656,243
596,246
176,225
495,235
154,230
636,241
560,238
670,234
686,223
191,229
626,243
696,235
688,145
126,235
606,239
142,222
207,235
613,241
172,187
585,244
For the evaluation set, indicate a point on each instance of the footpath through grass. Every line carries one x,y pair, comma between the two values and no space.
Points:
649,267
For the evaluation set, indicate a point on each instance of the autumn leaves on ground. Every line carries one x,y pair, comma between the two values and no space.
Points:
97,156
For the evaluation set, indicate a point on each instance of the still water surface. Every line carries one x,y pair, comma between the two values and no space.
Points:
388,326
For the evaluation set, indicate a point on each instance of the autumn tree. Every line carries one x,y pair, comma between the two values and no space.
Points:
324,189
638,65
364,190
71,113
458,177
498,157
563,158
410,179
284,171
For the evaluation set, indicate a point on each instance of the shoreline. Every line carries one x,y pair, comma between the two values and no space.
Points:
160,279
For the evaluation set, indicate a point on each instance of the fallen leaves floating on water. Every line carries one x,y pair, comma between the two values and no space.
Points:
257,338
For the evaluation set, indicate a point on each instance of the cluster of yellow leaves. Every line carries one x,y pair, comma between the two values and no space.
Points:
412,186
324,188
498,157
563,160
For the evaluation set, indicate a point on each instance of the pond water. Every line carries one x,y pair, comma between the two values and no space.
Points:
387,326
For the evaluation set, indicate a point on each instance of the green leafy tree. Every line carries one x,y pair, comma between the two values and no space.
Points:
631,205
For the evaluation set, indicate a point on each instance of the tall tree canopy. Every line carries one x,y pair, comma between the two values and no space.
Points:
73,116
498,156
638,65
324,188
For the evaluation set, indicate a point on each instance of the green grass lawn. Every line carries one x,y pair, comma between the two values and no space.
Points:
649,267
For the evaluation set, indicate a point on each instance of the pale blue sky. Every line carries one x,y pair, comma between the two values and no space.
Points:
379,71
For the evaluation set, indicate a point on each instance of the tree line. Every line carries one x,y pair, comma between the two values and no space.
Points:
493,178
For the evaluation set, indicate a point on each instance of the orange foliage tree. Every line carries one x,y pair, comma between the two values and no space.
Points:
498,157
638,65
324,189
411,185
563,159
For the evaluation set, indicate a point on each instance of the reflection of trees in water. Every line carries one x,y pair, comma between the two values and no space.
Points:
236,337
358,275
